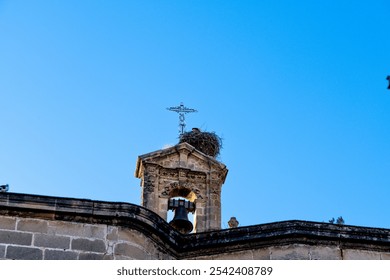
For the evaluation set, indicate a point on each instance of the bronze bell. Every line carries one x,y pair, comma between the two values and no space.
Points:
180,221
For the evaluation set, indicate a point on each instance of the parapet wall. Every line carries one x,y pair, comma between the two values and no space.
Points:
42,228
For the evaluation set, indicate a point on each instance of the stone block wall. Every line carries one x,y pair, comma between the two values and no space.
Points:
37,239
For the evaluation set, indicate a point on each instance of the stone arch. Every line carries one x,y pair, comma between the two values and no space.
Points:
183,192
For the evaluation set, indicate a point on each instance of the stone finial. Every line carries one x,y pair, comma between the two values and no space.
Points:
233,223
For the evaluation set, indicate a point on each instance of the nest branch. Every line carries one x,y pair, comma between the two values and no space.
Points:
208,143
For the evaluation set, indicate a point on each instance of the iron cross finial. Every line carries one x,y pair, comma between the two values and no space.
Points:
182,110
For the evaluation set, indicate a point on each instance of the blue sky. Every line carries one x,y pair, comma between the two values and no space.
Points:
296,89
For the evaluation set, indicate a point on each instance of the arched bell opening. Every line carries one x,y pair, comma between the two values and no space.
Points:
182,192
181,210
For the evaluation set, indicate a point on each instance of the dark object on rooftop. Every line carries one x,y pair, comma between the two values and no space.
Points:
207,142
4,188
340,221
233,223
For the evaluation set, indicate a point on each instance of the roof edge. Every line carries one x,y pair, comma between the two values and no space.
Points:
193,245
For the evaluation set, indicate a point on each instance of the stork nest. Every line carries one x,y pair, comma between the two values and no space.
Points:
208,143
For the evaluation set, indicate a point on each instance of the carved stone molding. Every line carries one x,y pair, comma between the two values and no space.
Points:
169,173
149,184
188,190
151,169
217,176
182,173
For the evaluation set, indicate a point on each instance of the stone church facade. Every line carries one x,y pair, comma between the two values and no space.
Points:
39,227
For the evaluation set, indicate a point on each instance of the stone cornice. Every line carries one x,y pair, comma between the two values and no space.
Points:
194,245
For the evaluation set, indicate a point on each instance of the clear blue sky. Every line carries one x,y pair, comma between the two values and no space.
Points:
296,89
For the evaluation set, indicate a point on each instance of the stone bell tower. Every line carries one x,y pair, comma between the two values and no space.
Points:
183,171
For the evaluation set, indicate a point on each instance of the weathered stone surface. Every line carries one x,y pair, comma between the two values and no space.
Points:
325,253
12,237
80,206
7,222
77,229
241,255
385,256
131,236
2,251
32,225
261,254
60,255
24,253
122,258
112,233
23,201
81,244
66,228
349,254
93,256
292,252
162,256
131,251
51,241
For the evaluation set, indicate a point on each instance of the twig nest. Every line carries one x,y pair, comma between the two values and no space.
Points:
208,143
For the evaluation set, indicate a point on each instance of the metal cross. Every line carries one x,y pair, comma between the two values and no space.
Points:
182,111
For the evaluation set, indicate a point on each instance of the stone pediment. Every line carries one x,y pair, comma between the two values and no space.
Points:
181,156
